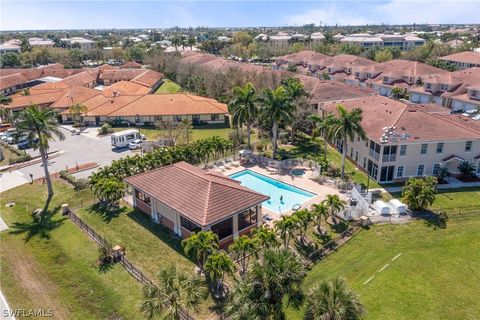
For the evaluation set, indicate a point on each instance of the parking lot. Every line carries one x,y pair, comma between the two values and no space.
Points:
77,149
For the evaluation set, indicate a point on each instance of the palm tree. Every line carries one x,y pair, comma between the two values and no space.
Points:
277,107
243,107
334,204
466,169
321,126
303,218
265,237
346,126
76,110
419,193
217,266
241,249
295,91
199,246
333,300
174,292
286,228
280,274
191,41
42,125
109,191
320,211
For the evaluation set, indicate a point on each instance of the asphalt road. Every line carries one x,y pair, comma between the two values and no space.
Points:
78,149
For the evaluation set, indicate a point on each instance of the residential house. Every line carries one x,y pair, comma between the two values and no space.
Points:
463,60
82,43
187,199
409,140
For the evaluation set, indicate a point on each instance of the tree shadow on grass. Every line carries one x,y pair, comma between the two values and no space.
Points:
305,248
160,231
106,213
340,227
322,237
41,225
436,220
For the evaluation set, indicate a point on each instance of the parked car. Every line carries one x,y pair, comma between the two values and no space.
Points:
135,144
477,117
26,144
7,134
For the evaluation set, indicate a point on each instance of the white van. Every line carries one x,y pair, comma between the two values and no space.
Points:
123,138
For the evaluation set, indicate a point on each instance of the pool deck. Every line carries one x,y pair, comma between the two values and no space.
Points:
303,182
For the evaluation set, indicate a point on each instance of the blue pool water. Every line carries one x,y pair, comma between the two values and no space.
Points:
273,188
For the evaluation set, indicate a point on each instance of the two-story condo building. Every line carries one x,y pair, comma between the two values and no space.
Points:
463,60
187,199
409,140
459,90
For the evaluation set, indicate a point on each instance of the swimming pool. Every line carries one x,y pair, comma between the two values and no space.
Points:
275,189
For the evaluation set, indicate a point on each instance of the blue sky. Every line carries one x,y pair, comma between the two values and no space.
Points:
35,14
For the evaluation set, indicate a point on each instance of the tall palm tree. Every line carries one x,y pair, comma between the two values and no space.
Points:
217,266
174,292
265,237
347,125
42,125
200,245
76,111
286,227
277,107
243,107
295,91
321,127
320,211
333,300
241,249
334,204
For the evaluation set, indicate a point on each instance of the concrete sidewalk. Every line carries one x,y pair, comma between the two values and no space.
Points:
6,312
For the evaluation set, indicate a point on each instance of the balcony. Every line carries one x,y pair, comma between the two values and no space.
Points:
389,158
373,154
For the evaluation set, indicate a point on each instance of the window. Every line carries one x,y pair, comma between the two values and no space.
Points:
424,148
374,151
178,118
403,150
440,147
364,162
215,117
189,225
356,156
436,169
247,218
389,153
420,170
400,170
157,118
223,229
130,136
372,169
351,152
142,197
444,87
468,146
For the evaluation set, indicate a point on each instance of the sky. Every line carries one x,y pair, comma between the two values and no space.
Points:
99,14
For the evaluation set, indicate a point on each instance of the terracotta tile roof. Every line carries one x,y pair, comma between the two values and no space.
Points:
108,105
80,79
21,101
12,81
125,88
30,74
421,123
131,65
74,95
327,90
470,57
170,104
120,74
197,195
148,78
302,57
53,66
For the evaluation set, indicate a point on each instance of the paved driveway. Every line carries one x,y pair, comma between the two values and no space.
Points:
77,149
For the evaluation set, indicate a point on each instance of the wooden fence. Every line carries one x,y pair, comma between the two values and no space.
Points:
130,267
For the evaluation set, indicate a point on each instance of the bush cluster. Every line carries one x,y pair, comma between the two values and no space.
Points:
78,184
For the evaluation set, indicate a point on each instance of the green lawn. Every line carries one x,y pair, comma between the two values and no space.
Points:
57,267
451,200
168,86
436,276
199,132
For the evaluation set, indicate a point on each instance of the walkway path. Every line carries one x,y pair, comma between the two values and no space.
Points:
453,183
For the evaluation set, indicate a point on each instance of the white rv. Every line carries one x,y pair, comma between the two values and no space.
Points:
123,138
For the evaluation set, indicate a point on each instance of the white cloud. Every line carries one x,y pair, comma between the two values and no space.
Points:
401,11
330,15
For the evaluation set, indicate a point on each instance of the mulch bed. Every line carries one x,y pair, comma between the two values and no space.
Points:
469,179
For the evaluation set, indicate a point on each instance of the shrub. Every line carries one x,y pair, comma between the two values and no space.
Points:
105,129
78,184
259,147
333,171
418,193
467,169
237,137
20,159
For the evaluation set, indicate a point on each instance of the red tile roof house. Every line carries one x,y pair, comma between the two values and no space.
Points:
463,60
409,140
186,199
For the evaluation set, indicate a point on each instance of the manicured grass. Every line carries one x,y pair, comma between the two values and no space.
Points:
451,200
168,86
436,276
200,132
57,267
